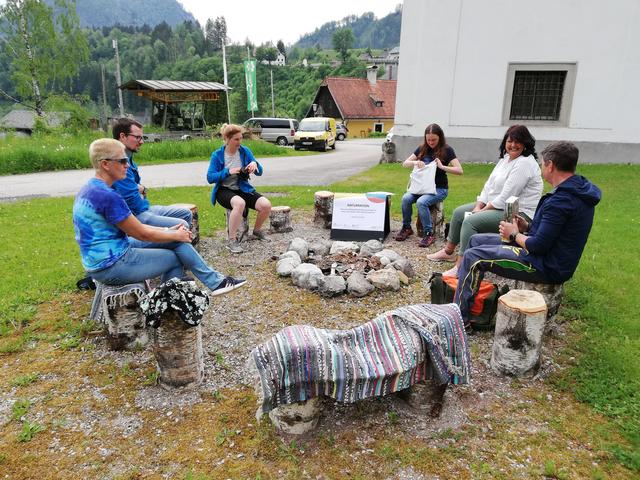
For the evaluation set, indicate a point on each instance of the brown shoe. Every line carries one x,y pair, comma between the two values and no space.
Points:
404,234
427,241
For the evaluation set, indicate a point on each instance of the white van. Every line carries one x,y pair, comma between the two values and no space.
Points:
277,130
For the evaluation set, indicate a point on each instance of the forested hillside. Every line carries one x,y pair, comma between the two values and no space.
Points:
368,31
98,13
184,53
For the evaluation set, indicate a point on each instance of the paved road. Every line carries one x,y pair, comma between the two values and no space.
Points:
349,158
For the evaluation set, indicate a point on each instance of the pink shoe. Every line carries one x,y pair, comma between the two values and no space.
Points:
452,272
442,256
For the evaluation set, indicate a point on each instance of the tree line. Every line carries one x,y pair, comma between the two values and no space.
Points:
48,56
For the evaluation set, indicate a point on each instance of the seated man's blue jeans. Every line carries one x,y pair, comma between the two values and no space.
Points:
146,260
488,253
165,216
423,202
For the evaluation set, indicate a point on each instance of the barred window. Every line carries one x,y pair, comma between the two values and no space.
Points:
537,95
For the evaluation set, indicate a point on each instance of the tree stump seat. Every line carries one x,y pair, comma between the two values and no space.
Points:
195,223
323,208
243,228
437,221
280,219
177,348
520,324
116,306
552,293
351,366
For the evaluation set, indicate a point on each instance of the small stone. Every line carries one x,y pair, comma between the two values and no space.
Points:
320,248
402,277
306,276
390,254
372,246
358,286
331,285
285,266
290,254
404,265
300,246
342,247
384,279
385,261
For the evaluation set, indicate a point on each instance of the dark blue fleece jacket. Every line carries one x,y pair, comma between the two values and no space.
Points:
560,228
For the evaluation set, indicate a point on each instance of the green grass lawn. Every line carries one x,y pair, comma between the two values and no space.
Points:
66,151
39,261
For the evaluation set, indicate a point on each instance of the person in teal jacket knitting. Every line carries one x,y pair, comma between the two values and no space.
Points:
229,171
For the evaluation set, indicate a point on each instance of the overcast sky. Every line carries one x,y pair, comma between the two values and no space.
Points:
286,20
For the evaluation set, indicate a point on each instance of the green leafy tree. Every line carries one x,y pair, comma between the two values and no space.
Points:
343,39
43,47
280,47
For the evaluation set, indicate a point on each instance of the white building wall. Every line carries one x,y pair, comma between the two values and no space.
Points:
455,57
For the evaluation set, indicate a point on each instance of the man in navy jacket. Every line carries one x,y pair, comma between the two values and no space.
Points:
551,246
129,132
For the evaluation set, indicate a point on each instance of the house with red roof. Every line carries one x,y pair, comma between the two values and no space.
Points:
363,105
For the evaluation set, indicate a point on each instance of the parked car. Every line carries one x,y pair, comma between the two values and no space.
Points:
316,132
277,130
341,131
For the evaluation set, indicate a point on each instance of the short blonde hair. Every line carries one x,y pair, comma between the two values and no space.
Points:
103,149
230,130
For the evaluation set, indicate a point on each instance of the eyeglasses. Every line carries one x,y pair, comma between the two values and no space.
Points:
121,161
137,137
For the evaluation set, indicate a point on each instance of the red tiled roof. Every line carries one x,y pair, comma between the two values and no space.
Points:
355,97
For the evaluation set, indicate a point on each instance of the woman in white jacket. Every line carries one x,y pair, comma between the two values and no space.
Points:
517,173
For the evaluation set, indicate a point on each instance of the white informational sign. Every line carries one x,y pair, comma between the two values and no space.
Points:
360,216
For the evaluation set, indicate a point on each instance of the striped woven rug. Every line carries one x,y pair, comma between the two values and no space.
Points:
383,356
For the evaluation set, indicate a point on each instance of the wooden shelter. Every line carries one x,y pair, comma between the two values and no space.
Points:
168,95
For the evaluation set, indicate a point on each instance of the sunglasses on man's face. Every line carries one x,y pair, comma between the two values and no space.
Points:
137,137
121,161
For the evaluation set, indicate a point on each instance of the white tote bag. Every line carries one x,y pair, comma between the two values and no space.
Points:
423,180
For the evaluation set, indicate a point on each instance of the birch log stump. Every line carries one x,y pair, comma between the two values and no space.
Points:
117,307
243,229
178,351
195,224
280,219
297,418
518,337
323,203
437,221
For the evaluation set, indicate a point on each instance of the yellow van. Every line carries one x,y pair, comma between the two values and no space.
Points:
316,132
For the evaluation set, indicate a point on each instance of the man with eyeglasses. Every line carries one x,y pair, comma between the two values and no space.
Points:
129,133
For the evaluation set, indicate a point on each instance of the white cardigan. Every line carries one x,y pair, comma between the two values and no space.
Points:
519,177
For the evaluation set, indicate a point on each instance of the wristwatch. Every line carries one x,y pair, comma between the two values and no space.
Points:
512,237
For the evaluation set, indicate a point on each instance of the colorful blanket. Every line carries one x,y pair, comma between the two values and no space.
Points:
385,355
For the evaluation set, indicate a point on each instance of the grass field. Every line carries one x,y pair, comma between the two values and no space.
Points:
39,263
65,151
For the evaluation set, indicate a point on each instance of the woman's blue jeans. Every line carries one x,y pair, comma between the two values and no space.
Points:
146,260
423,202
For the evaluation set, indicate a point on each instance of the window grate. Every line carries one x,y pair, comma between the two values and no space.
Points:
537,95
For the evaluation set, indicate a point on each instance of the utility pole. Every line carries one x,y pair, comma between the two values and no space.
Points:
104,100
273,104
118,79
249,58
226,83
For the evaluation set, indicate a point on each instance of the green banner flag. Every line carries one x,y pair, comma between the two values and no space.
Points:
250,77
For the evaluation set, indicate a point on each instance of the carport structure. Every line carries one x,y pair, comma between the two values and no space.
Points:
168,95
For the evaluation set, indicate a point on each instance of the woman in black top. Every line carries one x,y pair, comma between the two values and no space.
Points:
433,149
